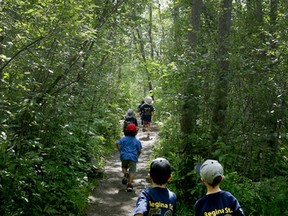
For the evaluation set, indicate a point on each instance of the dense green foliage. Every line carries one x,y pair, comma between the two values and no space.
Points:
252,140
63,92
70,69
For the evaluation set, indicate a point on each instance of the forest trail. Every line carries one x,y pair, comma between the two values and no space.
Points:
110,196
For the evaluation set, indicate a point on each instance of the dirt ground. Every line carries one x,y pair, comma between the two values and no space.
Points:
110,196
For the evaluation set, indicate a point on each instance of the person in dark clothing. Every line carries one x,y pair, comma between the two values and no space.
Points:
157,200
139,111
129,119
216,201
147,110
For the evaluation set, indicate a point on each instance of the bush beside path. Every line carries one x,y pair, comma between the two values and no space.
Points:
110,196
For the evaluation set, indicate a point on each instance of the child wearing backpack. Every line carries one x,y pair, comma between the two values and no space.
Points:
147,112
129,119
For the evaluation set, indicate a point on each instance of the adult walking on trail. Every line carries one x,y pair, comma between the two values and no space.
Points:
157,200
129,148
147,111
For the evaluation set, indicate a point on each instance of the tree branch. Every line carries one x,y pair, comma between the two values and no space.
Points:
20,51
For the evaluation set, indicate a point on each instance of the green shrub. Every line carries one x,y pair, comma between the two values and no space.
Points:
264,198
46,172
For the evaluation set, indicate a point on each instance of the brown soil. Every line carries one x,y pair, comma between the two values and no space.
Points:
110,196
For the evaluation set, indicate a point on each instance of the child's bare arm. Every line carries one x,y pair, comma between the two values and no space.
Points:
118,146
138,152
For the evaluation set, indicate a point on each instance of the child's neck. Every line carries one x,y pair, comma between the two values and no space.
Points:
211,190
160,186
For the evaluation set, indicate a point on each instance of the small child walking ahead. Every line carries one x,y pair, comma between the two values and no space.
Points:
216,201
157,200
130,118
130,149
147,113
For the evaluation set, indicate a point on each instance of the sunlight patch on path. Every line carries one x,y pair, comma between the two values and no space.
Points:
110,197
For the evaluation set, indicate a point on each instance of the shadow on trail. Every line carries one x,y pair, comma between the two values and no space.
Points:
110,196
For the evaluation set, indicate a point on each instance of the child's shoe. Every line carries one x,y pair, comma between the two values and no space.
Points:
125,178
129,187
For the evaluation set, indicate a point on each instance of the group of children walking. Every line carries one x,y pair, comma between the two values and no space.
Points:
129,146
158,200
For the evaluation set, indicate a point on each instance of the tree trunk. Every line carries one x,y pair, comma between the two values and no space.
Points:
219,112
144,60
1,63
151,48
190,104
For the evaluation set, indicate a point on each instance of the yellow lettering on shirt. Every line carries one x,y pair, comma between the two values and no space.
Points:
218,212
228,210
160,205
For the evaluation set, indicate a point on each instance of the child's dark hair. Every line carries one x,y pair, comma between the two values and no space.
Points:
130,133
159,180
216,181
160,171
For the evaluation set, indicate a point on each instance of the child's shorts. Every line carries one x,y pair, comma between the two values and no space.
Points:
129,164
146,122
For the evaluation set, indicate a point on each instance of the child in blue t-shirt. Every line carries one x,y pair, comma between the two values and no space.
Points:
157,200
216,201
129,148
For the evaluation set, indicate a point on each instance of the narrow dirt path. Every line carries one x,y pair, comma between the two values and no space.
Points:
110,196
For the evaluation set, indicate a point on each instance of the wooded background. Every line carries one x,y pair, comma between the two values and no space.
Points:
69,70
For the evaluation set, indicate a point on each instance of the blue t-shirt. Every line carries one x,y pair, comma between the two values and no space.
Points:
129,146
220,204
146,112
156,202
